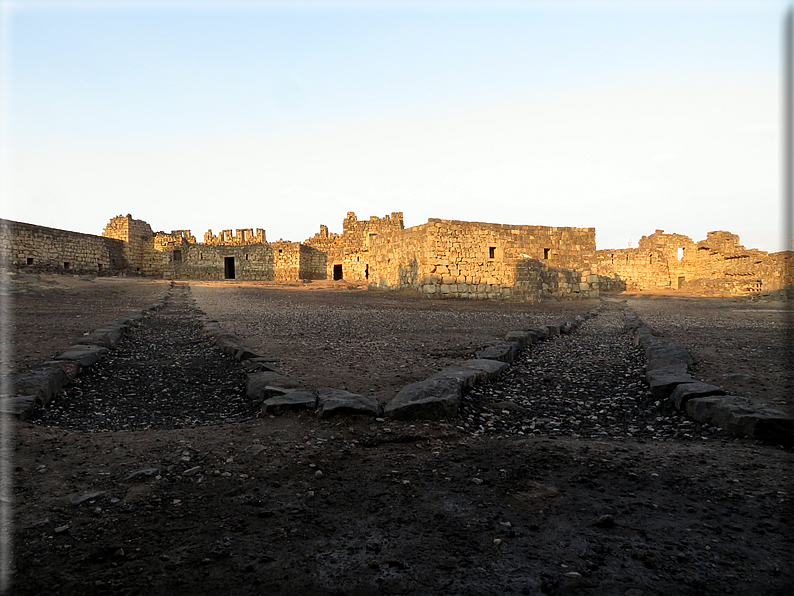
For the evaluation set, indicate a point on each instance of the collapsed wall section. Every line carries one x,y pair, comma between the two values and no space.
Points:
718,265
39,248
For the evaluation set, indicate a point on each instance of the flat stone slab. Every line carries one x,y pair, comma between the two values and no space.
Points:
554,329
244,353
504,352
292,400
43,383
335,402
426,400
21,406
663,381
541,332
522,338
471,372
259,385
85,355
686,391
669,351
739,416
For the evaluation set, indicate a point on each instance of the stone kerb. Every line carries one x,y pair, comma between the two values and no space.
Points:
37,387
439,395
667,372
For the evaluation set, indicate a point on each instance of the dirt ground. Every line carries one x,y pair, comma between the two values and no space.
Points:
298,505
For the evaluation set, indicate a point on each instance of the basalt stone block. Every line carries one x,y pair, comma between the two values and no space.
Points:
426,400
211,326
92,340
21,406
554,329
471,372
259,384
69,367
504,352
686,391
768,424
292,400
640,333
43,383
663,381
85,355
717,410
227,345
566,328
336,402
522,338
244,353
541,332
669,351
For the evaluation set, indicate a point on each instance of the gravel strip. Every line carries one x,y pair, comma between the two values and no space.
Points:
587,384
164,374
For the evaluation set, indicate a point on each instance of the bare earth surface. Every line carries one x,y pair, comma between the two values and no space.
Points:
564,477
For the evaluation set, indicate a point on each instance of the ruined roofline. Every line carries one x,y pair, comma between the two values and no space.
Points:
526,227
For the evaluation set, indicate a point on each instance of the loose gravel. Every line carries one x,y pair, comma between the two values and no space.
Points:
163,374
587,384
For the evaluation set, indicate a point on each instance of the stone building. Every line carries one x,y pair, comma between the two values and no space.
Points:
441,258
718,265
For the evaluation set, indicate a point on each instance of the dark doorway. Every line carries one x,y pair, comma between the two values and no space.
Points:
681,281
337,272
228,267
546,252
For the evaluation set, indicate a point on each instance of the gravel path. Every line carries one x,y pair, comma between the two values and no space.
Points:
163,374
587,384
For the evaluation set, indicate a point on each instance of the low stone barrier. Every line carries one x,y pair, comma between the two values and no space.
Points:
439,395
667,373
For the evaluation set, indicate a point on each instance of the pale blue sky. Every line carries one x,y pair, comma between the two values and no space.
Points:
623,116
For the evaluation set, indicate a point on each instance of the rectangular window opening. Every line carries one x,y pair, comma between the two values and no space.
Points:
177,256
546,252
681,281
491,252
66,265
99,266
680,253
30,260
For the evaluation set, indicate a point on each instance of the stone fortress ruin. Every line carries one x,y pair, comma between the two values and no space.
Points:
441,258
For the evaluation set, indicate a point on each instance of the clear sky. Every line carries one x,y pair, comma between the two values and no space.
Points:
623,116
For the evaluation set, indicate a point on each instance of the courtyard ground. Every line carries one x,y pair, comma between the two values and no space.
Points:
533,489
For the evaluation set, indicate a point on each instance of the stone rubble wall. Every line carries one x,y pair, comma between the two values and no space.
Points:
718,265
39,248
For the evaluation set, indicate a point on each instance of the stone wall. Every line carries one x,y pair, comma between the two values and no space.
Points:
39,248
252,262
138,244
718,265
458,259
350,250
